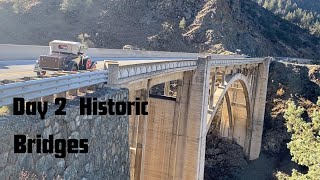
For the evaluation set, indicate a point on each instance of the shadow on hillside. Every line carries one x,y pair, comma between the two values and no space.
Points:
294,81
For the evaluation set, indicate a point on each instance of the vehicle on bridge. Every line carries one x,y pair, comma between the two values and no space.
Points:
64,56
131,47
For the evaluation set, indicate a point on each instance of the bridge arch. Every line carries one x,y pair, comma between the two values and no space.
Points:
236,121
170,143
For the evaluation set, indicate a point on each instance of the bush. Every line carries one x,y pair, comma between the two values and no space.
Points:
305,142
4,110
182,24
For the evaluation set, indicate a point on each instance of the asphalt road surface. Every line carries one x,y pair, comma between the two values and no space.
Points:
13,69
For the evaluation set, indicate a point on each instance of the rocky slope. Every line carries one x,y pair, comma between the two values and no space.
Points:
219,26
241,24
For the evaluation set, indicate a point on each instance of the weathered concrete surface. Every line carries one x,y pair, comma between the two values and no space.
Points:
160,126
108,156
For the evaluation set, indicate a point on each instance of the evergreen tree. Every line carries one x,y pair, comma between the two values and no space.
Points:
293,11
315,29
74,5
305,142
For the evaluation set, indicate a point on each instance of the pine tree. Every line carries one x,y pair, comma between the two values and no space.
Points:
295,12
315,29
305,142
74,5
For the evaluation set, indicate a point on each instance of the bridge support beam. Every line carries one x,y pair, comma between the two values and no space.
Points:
167,88
212,89
193,122
141,140
176,132
137,136
259,103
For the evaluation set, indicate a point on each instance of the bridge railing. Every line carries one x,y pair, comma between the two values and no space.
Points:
44,87
234,61
128,73
122,74
115,74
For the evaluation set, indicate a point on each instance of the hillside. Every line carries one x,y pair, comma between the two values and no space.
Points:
218,26
305,14
246,26
310,5
287,81
256,27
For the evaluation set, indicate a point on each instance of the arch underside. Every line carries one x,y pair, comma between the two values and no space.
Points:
233,98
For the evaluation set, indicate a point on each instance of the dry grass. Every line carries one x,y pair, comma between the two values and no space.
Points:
4,110
280,92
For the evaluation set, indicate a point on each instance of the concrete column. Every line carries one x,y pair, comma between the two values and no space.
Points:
177,163
113,73
254,84
192,130
212,89
133,131
180,103
259,109
167,88
250,78
141,139
226,126
234,71
223,78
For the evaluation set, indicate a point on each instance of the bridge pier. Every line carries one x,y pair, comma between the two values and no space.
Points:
191,136
141,138
259,103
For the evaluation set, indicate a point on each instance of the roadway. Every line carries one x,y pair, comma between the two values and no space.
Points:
13,69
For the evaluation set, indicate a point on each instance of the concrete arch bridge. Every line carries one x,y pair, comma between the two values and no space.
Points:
170,142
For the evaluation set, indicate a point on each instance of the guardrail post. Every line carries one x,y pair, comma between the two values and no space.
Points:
113,70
